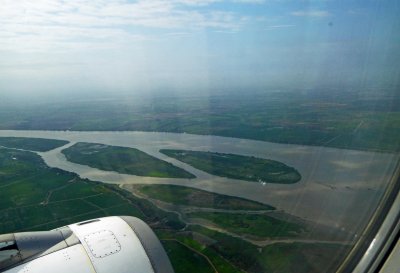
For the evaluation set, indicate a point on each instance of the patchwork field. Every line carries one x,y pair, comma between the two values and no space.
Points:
333,117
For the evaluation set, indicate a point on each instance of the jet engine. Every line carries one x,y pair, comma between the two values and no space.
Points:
111,244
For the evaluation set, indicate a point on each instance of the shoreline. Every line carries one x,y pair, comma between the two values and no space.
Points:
356,178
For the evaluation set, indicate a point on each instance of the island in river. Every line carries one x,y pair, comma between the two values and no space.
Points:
247,168
334,174
37,197
122,160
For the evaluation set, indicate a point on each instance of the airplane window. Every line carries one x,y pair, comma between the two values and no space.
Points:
250,135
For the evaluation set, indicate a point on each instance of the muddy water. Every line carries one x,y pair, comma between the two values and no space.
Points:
339,187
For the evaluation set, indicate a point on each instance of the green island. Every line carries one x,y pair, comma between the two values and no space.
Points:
260,225
34,196
122,160
237,166
31,144
186,196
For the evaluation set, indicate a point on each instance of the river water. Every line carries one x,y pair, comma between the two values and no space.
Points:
339,187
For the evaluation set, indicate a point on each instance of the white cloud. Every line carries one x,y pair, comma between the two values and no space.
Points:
169,34
356,12
225,31
197,2
311,13
250,1
45,24
281,26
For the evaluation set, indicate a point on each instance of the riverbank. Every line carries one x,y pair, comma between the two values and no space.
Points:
356,178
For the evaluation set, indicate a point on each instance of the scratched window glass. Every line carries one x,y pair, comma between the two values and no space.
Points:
250,135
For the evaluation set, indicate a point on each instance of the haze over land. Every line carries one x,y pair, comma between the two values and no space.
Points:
304,72
62,48
328,117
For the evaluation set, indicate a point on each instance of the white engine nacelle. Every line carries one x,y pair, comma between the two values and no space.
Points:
104,245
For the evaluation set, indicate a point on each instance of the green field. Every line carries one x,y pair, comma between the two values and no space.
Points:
280,257
36,197
122,160
31,144
185,260
334,117
179,195
187,239
260,225
238,166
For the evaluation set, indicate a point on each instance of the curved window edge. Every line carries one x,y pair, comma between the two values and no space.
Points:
369,253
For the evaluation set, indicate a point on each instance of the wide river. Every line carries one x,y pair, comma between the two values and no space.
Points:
339,187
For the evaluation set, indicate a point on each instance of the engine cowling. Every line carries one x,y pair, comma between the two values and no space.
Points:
111,244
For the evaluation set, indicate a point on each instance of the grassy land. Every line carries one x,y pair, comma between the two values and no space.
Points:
122,160
179,195
342,118
188,239
238,166
300,257
185,260
285,258
259,225
26,204
36,197
31,144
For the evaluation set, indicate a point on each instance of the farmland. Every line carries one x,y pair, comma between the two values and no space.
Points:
329,117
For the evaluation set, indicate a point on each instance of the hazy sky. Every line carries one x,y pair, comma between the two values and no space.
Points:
105,45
